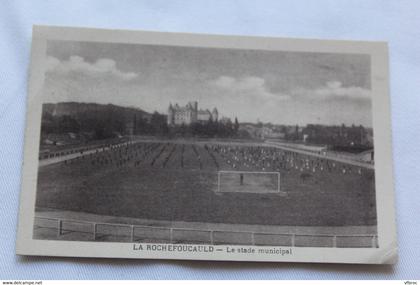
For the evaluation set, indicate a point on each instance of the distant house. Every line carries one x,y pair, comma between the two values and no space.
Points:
270,133
189,114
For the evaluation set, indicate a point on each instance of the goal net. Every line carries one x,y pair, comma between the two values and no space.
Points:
248,182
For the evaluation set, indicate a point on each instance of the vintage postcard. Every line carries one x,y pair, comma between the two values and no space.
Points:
184,146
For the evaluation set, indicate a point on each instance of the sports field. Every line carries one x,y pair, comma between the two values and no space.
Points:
179,182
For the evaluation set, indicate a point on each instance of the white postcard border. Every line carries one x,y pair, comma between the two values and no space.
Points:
387,239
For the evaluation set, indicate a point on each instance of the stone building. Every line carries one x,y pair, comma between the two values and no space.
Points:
188,114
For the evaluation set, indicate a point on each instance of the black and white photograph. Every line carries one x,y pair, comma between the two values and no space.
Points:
195,147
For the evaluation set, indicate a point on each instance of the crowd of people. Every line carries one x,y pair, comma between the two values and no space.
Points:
118,155
221,157
259,158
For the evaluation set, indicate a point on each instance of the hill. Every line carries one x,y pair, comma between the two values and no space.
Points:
102,121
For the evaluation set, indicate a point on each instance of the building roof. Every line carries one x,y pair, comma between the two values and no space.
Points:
189,107
202,112
183,108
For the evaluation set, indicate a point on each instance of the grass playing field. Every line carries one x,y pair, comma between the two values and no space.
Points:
179,182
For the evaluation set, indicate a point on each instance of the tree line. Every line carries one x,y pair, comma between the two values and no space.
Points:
104,125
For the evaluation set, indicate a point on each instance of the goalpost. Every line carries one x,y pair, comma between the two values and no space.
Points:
249,182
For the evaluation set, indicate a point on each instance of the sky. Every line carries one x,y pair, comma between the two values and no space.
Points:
279,87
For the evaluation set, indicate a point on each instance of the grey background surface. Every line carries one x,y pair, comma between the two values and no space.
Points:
392,21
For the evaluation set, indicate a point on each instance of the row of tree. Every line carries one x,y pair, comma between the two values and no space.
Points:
101,126
94,128
337,135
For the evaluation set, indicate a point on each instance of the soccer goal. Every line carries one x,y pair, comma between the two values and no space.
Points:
248,182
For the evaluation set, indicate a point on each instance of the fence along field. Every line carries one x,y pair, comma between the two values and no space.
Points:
64,229
179,182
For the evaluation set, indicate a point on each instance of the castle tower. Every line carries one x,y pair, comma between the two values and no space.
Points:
215,115
194,105
171,115
194,111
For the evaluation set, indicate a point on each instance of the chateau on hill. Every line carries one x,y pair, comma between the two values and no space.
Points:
189,114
